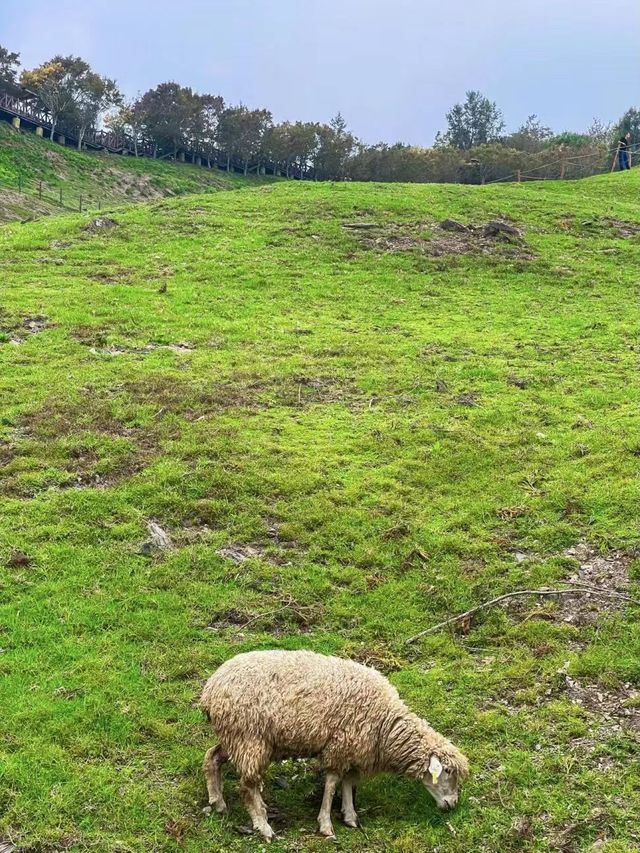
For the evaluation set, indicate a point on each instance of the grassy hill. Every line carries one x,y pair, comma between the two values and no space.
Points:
350,434
96,178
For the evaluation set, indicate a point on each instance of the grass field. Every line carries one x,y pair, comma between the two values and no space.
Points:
349,435
97,178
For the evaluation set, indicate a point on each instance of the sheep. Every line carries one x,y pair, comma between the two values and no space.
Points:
271,705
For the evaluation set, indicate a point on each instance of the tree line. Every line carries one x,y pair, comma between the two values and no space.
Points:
171,118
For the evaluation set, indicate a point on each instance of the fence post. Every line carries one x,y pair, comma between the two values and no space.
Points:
519,176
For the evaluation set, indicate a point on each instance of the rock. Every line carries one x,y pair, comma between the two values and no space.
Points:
100,223
158,540
498,228
452,225
362,226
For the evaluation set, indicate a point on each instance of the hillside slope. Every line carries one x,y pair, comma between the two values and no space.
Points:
97,178
350,434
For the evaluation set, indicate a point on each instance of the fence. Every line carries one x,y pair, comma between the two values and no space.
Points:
567,163
60,195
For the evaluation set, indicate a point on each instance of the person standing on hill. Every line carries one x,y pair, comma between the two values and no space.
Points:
623,152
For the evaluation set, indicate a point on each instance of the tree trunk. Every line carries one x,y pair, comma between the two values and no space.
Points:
53,127
246,168
228,162
155,150
80,138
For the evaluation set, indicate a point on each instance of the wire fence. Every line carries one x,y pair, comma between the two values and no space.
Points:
69,198
565,162
61,195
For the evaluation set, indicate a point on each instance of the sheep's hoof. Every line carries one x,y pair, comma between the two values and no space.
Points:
266,832
352,822
327,831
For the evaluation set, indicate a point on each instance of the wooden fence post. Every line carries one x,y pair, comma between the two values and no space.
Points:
519,176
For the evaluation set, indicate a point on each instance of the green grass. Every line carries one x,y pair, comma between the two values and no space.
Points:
386,429
97,178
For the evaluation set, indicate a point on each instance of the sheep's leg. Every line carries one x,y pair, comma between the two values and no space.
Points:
250,790
213,761
324,818
348,807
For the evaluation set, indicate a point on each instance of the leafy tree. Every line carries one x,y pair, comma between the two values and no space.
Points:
168,114
203,123
9,64
477,121
335,146
531,136
599,132
95,96
129,120
628,123
241,132
58,85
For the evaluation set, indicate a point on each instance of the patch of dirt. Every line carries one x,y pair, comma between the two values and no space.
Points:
451,238
379,657
21,330
42,439
110,277
621,706
286,616
197,401
240,553
118,349
623,229
606,227
609,572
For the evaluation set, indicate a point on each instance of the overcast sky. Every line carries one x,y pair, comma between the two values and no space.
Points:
392,67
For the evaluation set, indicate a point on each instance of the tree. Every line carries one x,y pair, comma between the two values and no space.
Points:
531,136
95,96
599,131
629,123
9,64
203,124
57,83
477,121
241,132
128,120
335,146
168,113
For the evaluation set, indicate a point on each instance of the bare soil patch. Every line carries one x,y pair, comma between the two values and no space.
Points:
61,438
609,572
286,616
620,707
448,238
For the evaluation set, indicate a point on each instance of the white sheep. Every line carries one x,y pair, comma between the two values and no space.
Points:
271,705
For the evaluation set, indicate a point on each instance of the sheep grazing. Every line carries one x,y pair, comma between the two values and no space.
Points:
271,705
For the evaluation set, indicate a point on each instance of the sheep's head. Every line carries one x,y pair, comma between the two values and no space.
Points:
447,768
414,748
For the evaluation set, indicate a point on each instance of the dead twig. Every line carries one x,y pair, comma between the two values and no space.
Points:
520,594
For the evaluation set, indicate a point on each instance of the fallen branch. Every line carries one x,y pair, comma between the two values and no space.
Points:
520,594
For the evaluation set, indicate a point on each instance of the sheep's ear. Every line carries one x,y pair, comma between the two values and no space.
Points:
435,768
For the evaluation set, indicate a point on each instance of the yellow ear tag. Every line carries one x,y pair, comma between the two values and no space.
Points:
434,778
